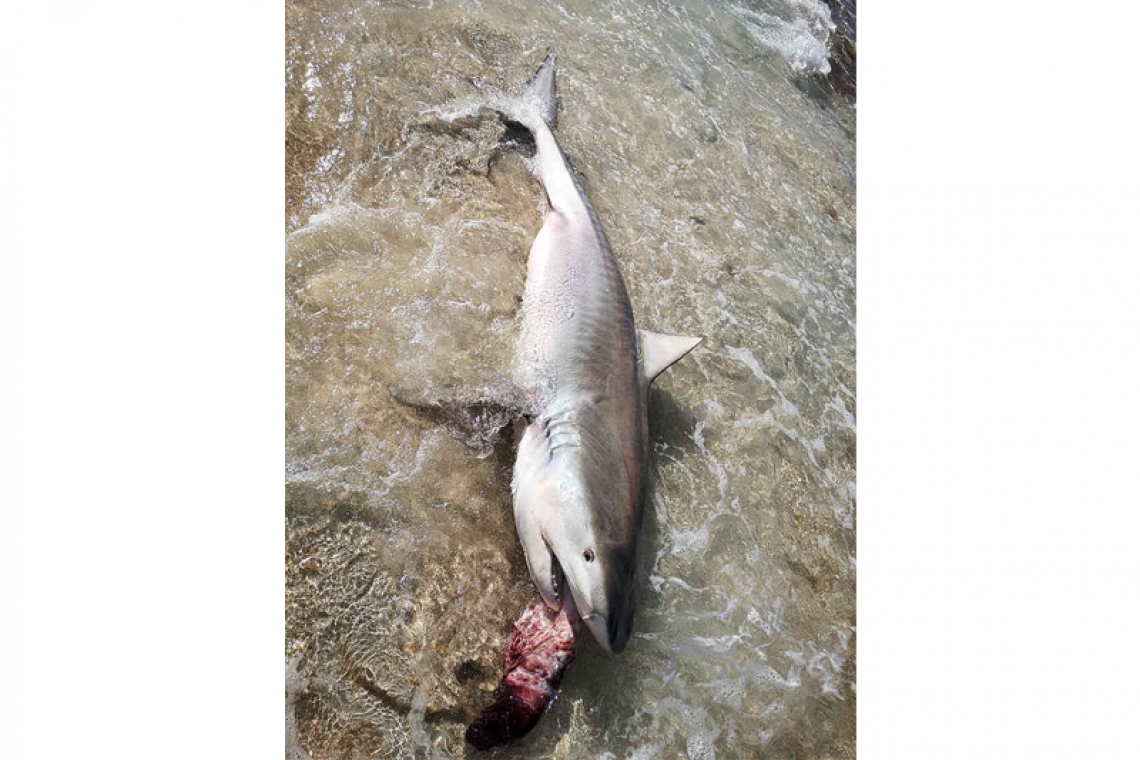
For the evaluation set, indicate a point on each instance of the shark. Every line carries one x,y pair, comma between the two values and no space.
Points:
586,369
580,380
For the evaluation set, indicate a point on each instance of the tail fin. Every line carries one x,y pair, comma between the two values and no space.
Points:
536,109
541,93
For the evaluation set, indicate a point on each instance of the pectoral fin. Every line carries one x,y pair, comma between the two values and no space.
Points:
467,407
656,352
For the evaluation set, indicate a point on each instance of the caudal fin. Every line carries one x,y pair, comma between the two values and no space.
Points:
536,109
540,96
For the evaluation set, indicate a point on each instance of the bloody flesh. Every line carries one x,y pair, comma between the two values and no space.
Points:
540,646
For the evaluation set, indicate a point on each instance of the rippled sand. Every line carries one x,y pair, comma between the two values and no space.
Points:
722,165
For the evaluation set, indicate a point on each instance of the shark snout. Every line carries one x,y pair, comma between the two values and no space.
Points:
600,628
603,613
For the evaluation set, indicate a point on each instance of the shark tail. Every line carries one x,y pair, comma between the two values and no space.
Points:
536,110
536,107
541,93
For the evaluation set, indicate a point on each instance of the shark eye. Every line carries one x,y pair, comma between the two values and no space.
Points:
588,555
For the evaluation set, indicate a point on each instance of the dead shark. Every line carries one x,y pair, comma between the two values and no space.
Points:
587,370
583,370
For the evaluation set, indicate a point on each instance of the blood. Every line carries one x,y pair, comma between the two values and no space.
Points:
540,646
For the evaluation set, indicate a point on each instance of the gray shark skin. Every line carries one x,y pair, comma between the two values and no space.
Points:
587,370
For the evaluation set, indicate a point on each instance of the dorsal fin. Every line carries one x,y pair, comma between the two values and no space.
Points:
656,352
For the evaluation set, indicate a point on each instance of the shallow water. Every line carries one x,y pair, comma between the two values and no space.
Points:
722,164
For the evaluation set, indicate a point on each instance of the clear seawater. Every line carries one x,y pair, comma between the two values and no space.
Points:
721,161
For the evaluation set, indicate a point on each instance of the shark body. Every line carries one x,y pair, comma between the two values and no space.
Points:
587,370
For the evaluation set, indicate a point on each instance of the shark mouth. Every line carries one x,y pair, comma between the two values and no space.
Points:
557,580
539,648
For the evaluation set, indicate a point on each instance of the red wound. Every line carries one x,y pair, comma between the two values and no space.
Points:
540,646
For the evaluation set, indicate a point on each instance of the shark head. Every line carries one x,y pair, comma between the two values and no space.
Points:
600,580
569,550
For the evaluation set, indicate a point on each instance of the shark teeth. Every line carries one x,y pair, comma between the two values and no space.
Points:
557,579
